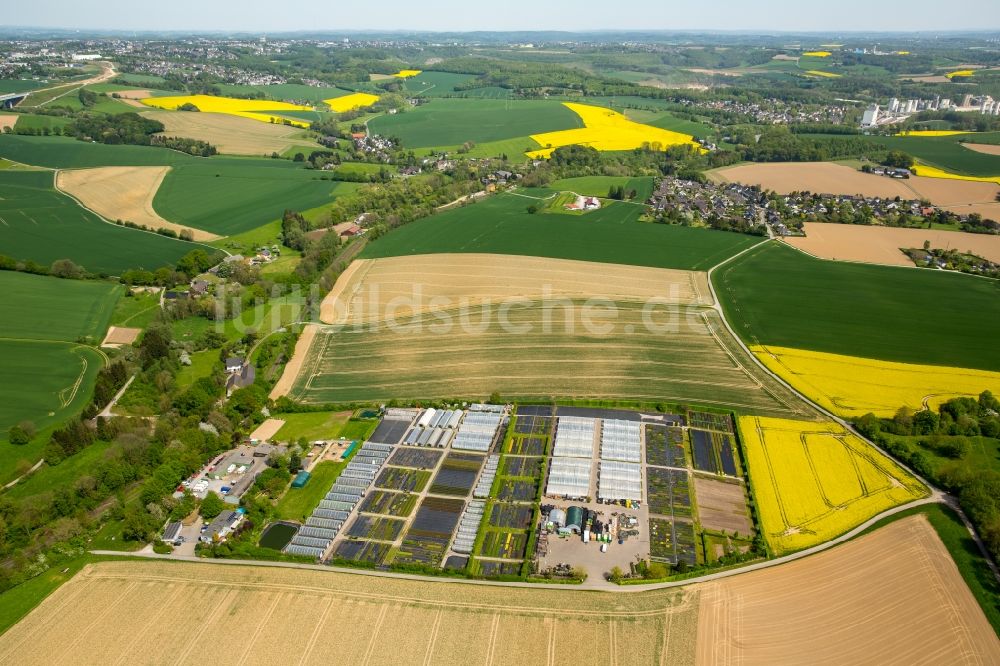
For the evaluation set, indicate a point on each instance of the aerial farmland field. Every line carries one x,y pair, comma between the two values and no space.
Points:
502,224
854,386
420,357
122,193
47,374
776,295
452,122
229,196
394,621
814,481
44,225
232,135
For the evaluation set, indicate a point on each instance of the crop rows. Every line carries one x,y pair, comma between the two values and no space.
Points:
397,478
457,474
393,504
363,551
378,529
523,467
668,492
671,541
515,516
428,537
663,446
691,362
517,490
507,544
416,458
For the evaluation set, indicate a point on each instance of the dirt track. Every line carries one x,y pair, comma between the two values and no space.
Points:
230,134
294,366
374,289
830,178
123,193
893,596
881,245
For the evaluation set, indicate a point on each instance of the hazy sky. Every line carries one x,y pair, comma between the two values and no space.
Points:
333,15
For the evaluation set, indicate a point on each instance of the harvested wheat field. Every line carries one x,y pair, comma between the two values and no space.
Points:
120,335
986,148
831,178
156,612
233,135
123,193
375,289
892,596
7,120
881,245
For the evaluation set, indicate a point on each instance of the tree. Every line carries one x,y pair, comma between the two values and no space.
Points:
64,268
17,436
532,209
155,345
212,506
616,574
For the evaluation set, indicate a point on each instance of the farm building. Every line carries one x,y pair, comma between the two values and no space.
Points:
301,479
557,517
575,517
619,481
621,440
575,437
222,526
569,477
172,533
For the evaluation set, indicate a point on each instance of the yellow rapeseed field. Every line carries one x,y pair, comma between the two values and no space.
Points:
817,54
407,73
255,109
933,132
960,73
829,75
815,481
854,386
607,130
933,172
351,102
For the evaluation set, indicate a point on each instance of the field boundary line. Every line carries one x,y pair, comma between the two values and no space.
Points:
55,177
374,639
196,639
261,623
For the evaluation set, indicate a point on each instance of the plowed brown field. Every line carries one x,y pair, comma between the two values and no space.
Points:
375,289
830,178
891,597
881,245
123,193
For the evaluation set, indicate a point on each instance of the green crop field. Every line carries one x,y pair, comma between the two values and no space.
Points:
947,153
598,186
32,121
18,85
694,361
40,224
778,296
436,84
46,375
68,153
613,234
230,196
450,122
